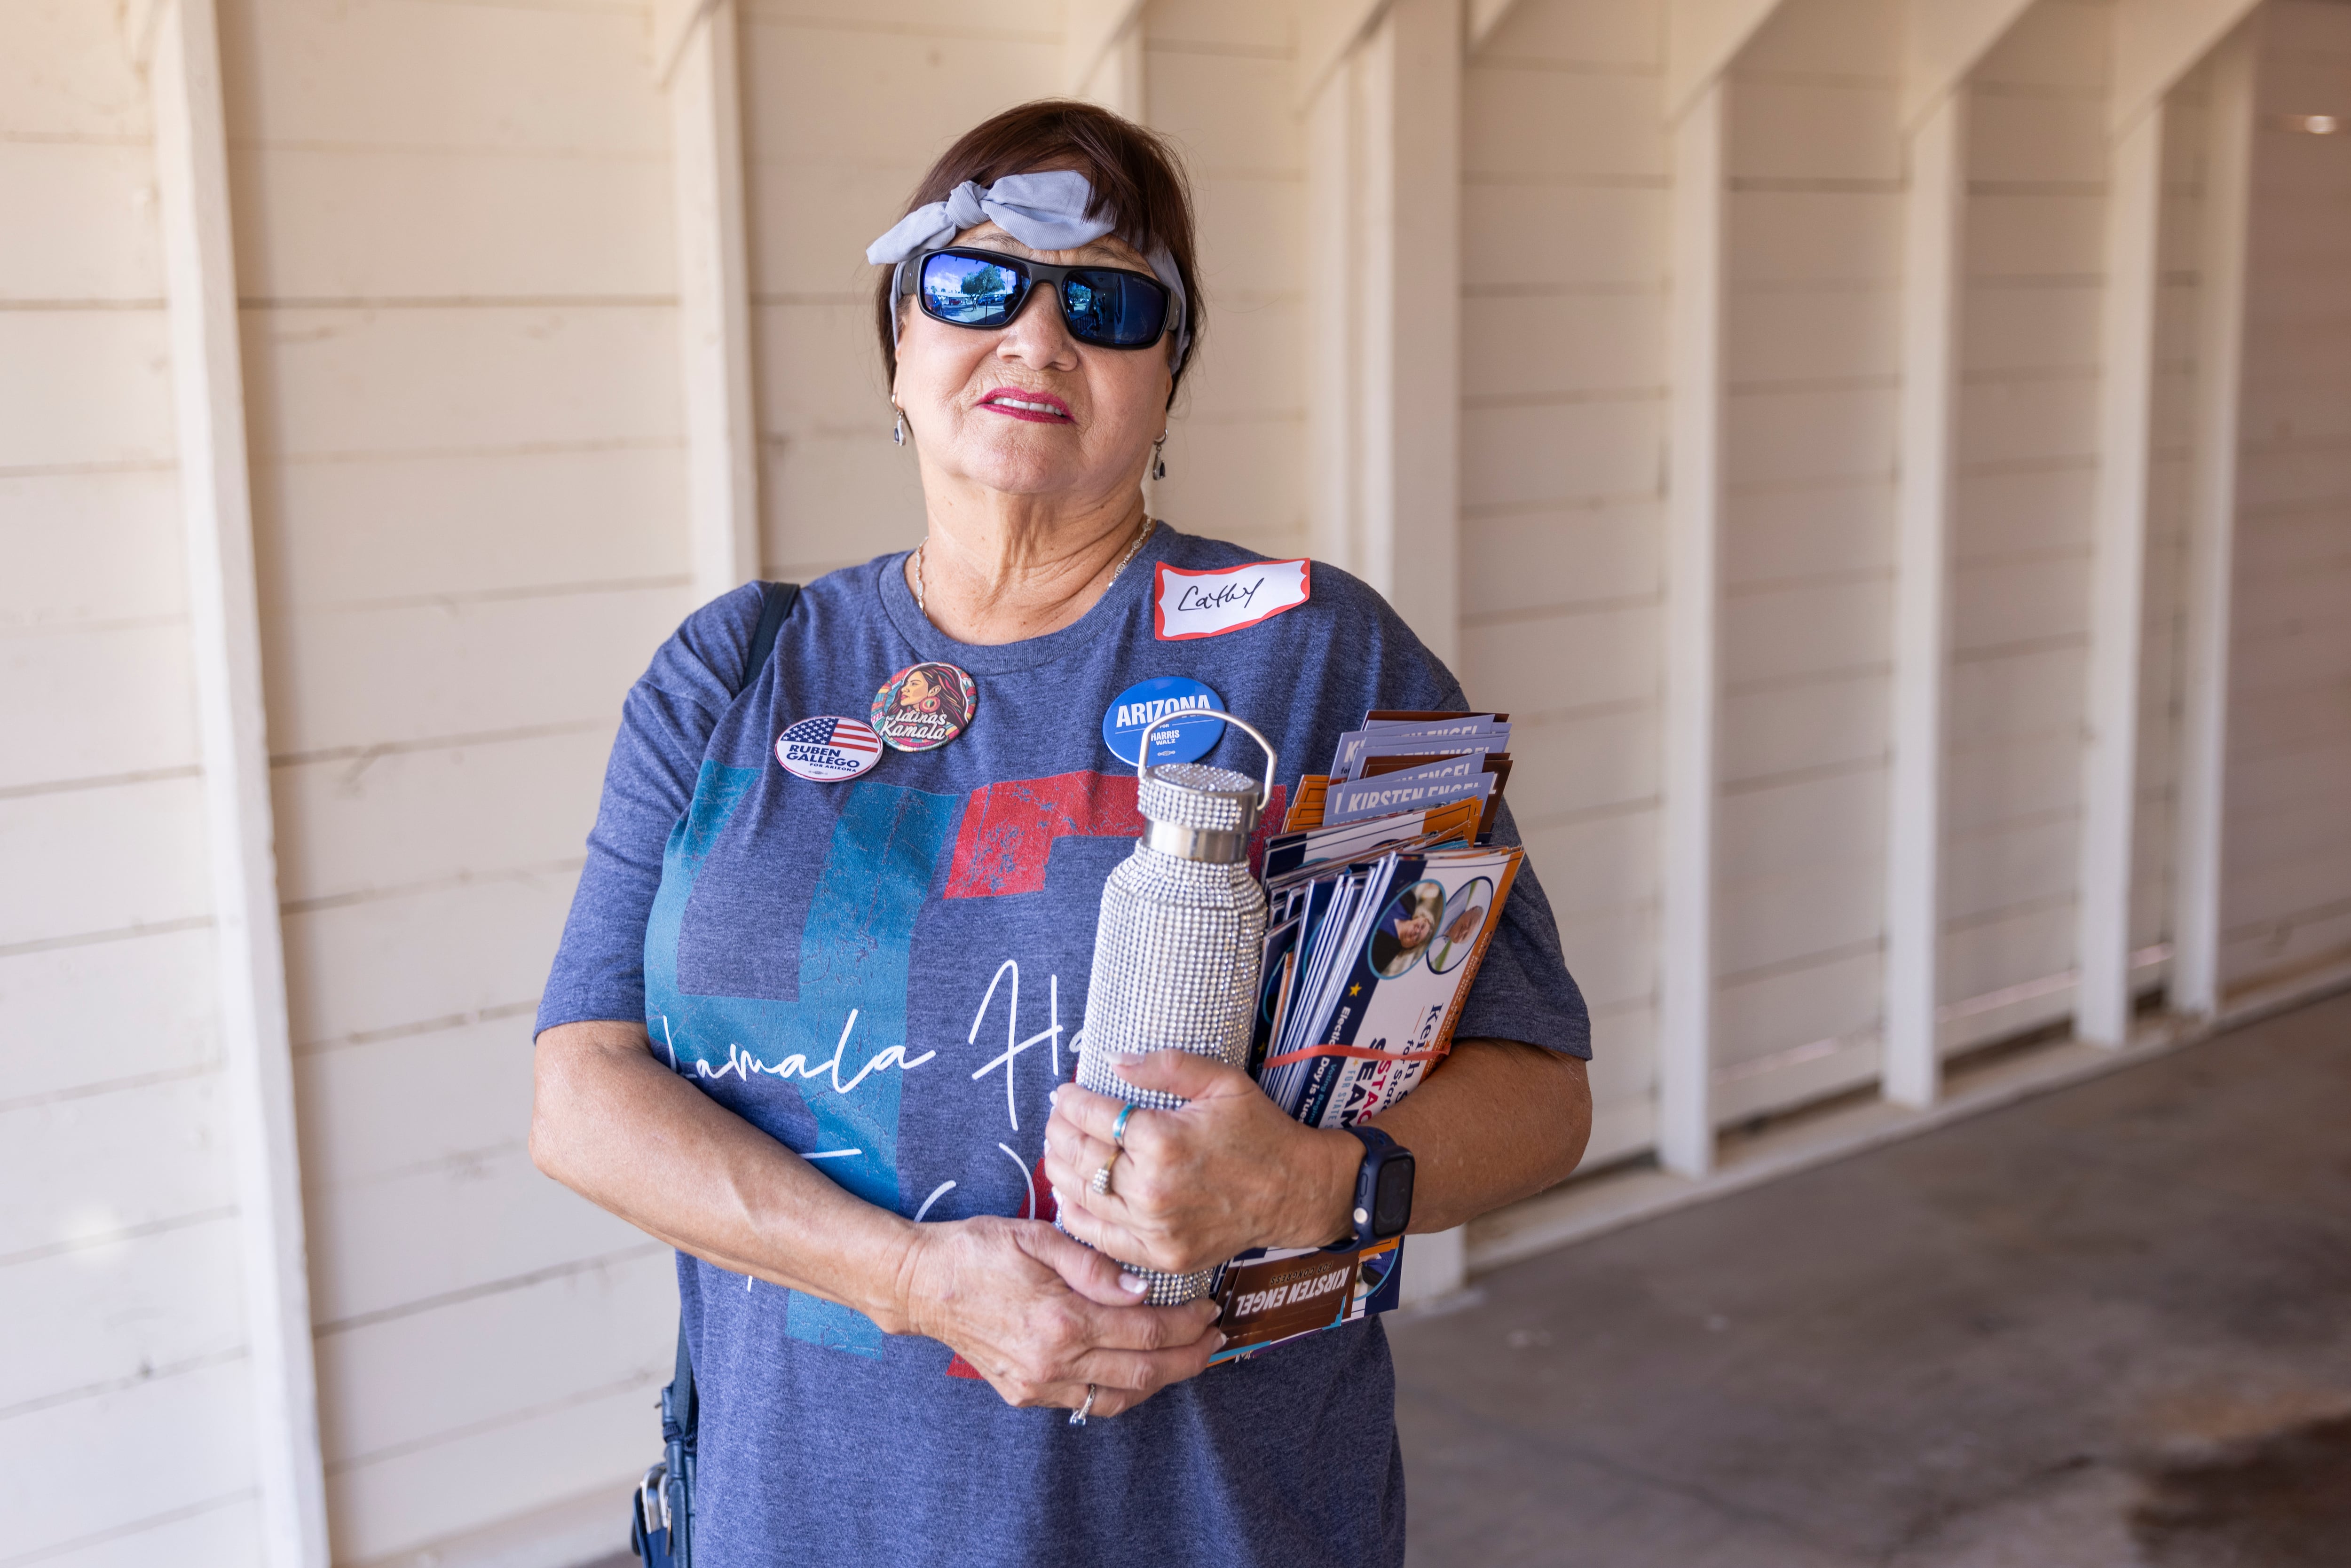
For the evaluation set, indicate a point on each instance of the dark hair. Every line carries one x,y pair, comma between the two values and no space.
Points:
1136,176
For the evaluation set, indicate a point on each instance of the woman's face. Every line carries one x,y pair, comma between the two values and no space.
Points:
914,689
1027,408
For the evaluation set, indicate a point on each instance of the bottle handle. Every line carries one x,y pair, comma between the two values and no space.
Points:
1265,791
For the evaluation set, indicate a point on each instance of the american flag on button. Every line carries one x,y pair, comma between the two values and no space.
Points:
827,749
846,733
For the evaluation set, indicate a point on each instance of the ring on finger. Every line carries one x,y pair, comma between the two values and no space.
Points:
1078,1416
1101,1182
1118,1128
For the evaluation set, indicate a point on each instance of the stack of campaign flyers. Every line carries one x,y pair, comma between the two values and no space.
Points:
1368,964
1375,926
1408,761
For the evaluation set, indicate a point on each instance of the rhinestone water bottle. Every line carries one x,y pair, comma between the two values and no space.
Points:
1180,939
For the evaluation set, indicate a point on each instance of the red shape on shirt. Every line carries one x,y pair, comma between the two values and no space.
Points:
1008,829
1049,1208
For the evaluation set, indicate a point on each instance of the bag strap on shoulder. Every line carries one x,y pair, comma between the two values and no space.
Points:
777,601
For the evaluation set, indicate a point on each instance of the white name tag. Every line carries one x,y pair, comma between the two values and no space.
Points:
1211,603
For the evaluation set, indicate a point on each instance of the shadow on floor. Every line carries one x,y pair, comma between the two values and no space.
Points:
2283,1501
2110,1328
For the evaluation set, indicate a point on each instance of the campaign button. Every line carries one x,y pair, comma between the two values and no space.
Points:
923,706
828,749
1182,740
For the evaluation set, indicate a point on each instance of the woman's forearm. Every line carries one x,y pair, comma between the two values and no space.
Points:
611,1122
1496,1123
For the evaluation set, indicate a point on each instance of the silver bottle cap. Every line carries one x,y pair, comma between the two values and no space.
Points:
1197,812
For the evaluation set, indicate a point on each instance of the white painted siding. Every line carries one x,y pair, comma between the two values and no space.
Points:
2171,478
1563,374
827,168
2286,902
454,257
2026,479
1813,385
118,1278
1219,80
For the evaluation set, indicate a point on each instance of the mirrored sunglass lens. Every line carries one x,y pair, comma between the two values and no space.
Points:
969,291
1114,307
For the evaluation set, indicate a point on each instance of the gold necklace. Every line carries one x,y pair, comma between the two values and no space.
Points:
1141,535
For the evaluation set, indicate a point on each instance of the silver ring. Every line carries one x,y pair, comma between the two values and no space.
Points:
1077,1416
1118,1128
1100,1185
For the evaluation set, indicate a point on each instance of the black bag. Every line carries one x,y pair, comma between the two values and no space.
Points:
660,1515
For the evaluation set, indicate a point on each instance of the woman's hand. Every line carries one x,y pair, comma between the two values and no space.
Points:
1194,1187
1041,1317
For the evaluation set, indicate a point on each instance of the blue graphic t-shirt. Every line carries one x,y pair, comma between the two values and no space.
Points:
885,975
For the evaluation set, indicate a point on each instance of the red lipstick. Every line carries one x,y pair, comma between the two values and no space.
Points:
1018,403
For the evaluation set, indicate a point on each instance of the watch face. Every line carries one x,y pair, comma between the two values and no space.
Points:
1392,1198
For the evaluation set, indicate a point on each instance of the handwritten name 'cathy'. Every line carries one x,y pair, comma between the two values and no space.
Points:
1194,596
1211,603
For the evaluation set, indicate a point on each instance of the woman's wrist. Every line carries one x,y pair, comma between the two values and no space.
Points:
1322,1209
897,1287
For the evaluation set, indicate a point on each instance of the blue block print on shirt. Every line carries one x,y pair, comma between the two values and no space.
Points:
843,1043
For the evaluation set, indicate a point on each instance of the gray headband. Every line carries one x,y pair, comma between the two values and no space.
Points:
1043,212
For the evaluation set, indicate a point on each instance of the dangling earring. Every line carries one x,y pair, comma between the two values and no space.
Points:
898,431
1158,459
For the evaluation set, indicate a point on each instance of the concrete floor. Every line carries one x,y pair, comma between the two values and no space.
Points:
2110,1328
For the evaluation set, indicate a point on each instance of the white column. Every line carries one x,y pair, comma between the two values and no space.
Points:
1693,616
2102,1005
208,390
1384,138
1702,38
2156,43
714,285
1384,194
1105,40
2195,983
1335,329
1414,217
1935,214
1943,40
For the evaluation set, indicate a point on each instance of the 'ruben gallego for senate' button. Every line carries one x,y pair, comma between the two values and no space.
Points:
828,749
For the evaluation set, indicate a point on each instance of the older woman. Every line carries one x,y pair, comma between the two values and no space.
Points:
812,1026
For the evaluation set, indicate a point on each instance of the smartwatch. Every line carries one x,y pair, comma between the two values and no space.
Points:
1383,1206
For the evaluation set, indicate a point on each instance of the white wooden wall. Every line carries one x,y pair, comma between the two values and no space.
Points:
2287,904
845,104
455,263
1219,78
2027,466
467,267
1562,435
125,1401
1813,381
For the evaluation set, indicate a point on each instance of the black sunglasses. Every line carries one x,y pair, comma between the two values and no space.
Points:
1108,306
